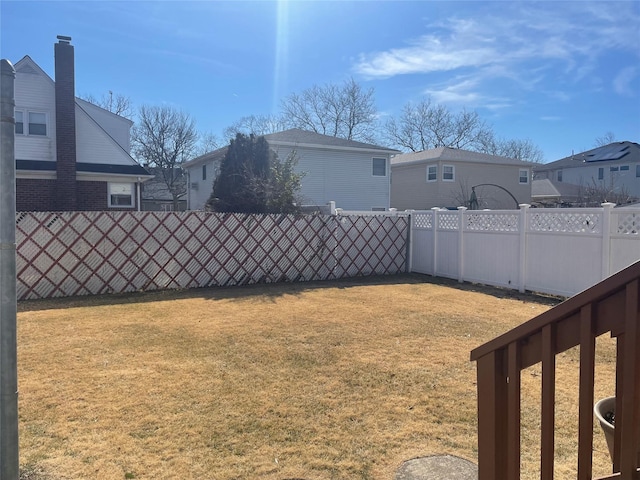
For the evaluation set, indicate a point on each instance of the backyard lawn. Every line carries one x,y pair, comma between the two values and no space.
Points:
330,380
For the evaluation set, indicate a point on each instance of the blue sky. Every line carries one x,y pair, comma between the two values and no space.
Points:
558,73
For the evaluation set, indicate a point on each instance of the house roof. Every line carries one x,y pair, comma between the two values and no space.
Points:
215,156
616,152
298,137
454,155
548,189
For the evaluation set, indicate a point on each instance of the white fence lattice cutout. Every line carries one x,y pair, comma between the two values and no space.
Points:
628,223
494,222
83,253
566,222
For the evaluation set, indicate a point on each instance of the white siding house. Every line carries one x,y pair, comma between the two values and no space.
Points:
353,174
81,162
612,169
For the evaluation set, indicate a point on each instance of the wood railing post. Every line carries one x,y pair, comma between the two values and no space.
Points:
585,395
492,421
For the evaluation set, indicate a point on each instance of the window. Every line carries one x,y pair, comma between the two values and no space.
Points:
448,173
601,173
379,167
523,176
204,171
624,168
378,209
613,169
638,170
19,122
37,123
559,175
121,195
432,173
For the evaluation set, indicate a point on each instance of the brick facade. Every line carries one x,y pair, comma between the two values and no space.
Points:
40,196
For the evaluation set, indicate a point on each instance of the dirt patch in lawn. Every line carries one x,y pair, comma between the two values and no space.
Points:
330,380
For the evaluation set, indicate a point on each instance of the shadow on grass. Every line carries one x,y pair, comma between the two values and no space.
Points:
275,290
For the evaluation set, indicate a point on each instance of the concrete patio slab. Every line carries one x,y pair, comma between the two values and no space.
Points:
437,467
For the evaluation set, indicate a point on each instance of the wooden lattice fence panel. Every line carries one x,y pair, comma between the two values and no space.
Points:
85,253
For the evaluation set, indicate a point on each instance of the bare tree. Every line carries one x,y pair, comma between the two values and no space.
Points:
165,138
207,142
425,125
118,103
605,139
518,149
257,125
345,111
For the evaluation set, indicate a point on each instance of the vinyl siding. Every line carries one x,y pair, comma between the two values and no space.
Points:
94,146
344,177
117,127
410,189
587,175
35,92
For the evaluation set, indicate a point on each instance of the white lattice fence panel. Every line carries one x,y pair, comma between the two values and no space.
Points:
81,253
448,221
423,220
492,222
627,223
569,222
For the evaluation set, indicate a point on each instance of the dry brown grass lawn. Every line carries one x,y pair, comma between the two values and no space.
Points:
333,380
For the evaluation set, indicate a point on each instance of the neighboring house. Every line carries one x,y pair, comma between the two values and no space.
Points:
610,172
353,174
156,196
549,193
70,154
447,177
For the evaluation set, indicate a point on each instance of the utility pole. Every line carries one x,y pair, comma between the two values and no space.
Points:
9,461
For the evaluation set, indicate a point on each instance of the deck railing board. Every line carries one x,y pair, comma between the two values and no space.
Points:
612,306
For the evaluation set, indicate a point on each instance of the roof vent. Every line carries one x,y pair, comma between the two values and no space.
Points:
63,39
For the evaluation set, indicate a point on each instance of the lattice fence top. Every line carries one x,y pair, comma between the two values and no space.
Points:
423,220
84,253
448,221
627,223
566,222
492,222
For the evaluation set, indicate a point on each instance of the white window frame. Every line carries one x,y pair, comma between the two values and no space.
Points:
26,125
15,114
526,176
453,173
373,166
435,173
112,190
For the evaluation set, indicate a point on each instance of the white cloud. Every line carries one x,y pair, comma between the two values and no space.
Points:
521,41
622,82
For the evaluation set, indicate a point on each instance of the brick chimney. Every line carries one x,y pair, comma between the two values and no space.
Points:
65,125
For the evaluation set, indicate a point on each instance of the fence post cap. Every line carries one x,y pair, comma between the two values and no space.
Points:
462,208
524,205
608,205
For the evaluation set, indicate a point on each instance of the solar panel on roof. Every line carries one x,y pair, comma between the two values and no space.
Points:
608,153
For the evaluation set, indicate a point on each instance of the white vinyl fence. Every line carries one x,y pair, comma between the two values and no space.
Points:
555,251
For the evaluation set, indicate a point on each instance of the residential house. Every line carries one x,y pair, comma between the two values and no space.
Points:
70,154
550,193
353,174
156,195
448,177
610,172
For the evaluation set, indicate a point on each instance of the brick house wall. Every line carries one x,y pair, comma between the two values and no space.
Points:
35,195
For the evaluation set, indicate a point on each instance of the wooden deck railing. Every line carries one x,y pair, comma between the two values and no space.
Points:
612,305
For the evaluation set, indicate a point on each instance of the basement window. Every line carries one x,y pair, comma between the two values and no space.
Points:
121,195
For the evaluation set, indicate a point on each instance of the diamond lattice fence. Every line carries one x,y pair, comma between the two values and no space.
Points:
86,253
